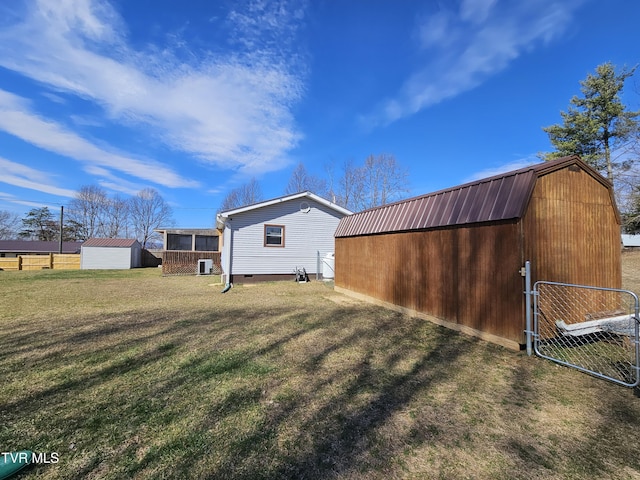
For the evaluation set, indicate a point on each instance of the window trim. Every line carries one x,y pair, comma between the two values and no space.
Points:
271,245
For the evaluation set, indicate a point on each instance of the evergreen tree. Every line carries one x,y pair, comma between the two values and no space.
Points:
39,224
597,123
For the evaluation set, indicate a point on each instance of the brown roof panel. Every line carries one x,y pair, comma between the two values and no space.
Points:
110,242
38,246
468,206
420,209
453,209
404,216
461,205
437,205
431,210
501,197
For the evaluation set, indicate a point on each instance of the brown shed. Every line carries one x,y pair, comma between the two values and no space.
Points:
455,256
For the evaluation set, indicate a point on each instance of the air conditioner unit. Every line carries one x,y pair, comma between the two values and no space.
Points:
205,266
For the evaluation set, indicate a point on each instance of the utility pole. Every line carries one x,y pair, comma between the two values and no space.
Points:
61,222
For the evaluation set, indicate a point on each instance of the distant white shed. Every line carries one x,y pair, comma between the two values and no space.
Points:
110,253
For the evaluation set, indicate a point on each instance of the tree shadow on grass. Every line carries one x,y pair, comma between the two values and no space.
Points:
291,391
329,426
563,423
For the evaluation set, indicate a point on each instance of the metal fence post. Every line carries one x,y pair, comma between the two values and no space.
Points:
637,338
527,276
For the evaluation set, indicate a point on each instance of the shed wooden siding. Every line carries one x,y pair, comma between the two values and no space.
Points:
467,275
305,235
572,232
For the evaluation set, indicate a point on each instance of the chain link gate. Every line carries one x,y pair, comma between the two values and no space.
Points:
595,330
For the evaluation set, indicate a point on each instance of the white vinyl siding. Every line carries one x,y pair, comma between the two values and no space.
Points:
110,258
307,234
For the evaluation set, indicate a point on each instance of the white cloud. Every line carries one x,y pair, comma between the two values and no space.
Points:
112,182
17,119
230,110
476,11
507,167
10,200
463,48
434,31
26,177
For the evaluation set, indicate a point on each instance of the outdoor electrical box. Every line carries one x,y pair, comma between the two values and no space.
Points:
205,266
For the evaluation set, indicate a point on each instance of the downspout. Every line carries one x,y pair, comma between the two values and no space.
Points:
228,284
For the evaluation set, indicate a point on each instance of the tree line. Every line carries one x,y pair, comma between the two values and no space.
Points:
94,214
597,126
379,180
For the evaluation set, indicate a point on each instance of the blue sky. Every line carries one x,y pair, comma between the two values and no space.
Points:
194,98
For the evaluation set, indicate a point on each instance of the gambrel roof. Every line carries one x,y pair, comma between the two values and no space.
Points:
497,198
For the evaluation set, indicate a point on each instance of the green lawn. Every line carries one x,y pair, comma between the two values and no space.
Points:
128,374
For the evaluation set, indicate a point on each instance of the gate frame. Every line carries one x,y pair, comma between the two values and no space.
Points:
532,334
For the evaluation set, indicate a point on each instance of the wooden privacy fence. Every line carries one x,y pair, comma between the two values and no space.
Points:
54,261
177,262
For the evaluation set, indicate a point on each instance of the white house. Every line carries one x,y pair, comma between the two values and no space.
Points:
270,239
110,253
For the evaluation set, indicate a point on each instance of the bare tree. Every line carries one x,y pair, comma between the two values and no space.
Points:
385,180
301,181
331,191
116,217
9,223
149,211
246,194
351,186
379,181
88,210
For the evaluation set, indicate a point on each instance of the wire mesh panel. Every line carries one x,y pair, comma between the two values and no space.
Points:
592,329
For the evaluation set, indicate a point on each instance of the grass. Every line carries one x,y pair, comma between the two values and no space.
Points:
126,374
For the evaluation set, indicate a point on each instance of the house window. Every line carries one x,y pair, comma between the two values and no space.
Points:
274,235
207,243
178,242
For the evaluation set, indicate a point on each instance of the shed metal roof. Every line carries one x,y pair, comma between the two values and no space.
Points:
501,197
38,246
110,242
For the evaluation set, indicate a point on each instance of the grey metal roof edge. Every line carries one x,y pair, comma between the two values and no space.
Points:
285,198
